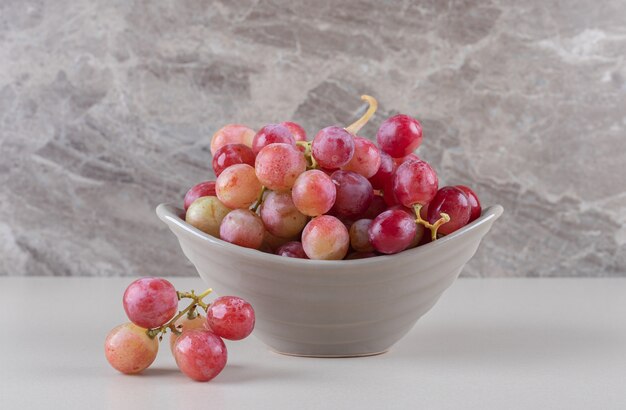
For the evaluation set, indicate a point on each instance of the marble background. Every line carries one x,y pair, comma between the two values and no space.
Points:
107,108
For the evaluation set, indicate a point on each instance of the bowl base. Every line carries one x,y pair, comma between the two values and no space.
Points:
312,308
330,356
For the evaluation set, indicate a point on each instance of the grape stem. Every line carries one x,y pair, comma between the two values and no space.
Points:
310,160
259,200
358,124
196,300
444,218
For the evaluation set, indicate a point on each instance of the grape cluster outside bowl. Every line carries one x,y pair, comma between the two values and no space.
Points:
331,308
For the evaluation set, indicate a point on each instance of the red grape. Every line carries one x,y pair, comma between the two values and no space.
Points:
273,242
184,323
292,249
200,354
359,238
129,349
419,235
474,202
385,171
402,208
354,194
314,193
454,202
377,206
238,186
388,193
415,182
347,223
399,135
296,130
244,228
231,134
399,161
266,248
360,255
231,154
230,317
206,213
206,188
278,166
326,238
280,216
150,302
392,231
332,147
366,159
272,134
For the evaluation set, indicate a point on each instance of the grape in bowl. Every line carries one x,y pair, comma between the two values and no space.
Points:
326,308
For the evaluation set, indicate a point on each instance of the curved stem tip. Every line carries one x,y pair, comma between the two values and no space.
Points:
358,124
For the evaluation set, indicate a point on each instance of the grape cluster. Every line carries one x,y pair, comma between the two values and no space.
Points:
338,196
196,342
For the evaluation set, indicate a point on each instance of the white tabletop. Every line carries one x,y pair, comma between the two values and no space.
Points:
487,344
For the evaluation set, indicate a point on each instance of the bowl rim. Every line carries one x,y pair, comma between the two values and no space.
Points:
170,212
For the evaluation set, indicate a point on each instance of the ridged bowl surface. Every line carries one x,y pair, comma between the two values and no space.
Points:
331,308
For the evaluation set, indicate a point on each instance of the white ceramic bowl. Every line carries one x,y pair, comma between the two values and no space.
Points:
331,308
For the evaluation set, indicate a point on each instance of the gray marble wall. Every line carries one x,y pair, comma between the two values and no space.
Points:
107,108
